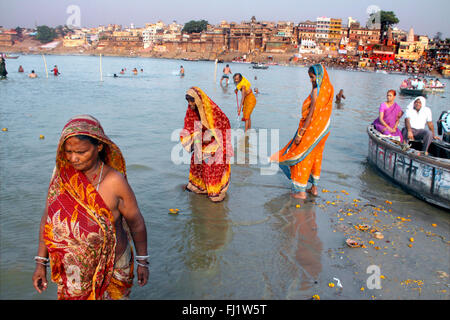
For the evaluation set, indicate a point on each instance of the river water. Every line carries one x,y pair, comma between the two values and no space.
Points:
258,243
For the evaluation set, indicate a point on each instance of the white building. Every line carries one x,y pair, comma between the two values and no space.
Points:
323,27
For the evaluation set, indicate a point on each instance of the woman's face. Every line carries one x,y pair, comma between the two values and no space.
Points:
390,97
82,154
312,77
191,102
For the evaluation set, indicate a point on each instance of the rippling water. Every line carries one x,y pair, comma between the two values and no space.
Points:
254,245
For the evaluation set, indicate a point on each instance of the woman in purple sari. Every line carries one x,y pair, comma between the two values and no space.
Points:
390,114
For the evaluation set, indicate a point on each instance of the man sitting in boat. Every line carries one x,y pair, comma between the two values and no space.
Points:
416,116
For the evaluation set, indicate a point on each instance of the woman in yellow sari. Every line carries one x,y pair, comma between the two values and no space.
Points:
207,134
90,217
248,99
301,158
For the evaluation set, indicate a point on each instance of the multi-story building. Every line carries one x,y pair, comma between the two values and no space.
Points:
323,28
307,30
335,29
359,34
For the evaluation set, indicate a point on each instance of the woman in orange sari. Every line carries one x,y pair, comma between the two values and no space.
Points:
90,217
207,133
301,158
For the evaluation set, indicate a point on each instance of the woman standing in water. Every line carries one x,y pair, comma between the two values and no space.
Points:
90,217
301,158
207,134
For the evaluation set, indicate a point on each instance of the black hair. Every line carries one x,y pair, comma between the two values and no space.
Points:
238,74
95,142
311,70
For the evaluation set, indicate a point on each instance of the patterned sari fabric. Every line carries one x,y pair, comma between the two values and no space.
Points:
79,232
210,173
302,163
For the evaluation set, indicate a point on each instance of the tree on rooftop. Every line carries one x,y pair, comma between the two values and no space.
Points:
387,19
195,26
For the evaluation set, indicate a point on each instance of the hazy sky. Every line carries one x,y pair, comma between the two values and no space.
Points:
425,16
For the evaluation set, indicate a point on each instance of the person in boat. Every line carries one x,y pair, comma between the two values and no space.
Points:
207,135
420,84
181,71
3,71
248,99
55,71
20,69
418,115
404,84
340,96
226,72
301,158
91,216
32,74
389,117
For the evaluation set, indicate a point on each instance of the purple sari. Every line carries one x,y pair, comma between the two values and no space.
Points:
390,116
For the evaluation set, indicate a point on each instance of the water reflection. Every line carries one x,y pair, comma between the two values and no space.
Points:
208,231
301,247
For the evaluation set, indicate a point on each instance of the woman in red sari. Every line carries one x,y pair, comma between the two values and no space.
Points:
90,217
207,133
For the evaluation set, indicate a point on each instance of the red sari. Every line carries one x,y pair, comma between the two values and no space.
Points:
79,232
210,171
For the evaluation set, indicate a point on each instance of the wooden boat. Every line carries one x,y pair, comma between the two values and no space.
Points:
426,177
413,92
7,56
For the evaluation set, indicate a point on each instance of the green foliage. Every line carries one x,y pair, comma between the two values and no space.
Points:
195,26
45,34
387,19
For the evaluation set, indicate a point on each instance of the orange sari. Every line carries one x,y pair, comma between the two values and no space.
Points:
303,162
79,232
211,173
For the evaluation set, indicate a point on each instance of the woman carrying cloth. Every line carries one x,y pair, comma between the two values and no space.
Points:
301,158
90,217
207,133
248,100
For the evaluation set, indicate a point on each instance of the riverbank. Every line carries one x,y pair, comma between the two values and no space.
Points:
330,60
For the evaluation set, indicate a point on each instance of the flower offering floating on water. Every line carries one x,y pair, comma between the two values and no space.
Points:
174,211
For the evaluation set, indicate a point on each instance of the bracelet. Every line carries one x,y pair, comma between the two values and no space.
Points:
142,257
43,263
41,258
142,264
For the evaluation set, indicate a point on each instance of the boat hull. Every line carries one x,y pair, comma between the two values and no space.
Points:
413,92
427,178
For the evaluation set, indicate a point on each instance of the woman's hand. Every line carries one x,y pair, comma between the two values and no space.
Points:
40,282
297,139
142,275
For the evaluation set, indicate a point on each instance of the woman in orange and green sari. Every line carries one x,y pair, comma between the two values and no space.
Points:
207,134
90,217
301,158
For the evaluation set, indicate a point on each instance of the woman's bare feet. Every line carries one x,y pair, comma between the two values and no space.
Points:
313,191
299,195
